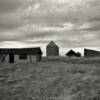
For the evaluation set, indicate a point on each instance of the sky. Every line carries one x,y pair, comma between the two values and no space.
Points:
71,24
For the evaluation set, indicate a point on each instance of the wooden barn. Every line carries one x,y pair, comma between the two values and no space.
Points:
28,55
91,53
52,49
72,53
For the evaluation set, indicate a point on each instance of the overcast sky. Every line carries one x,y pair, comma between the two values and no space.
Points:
30,23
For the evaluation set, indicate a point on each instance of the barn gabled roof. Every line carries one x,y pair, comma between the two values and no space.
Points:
52,43
71,52
29,51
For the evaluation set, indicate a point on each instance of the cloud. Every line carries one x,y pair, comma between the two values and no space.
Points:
7,6
10,22
71,23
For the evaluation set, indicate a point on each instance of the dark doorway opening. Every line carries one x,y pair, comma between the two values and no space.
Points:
11,58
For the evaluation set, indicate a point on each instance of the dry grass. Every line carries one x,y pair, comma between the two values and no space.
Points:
73,60
50,80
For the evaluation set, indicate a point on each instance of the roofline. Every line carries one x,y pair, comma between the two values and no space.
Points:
91,50
51,45
36,50
23,48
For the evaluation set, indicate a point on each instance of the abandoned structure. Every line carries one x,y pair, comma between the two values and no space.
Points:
32,55
91,53
52,49
72,53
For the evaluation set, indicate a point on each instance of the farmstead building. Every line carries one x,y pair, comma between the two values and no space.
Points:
91,53
72,53
52,49
31,55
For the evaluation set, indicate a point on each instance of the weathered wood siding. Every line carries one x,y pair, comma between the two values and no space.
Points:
30,59
91,53
52,51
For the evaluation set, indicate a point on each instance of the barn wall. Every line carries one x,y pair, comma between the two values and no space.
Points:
34,59
52,51
30,59
6,58
16,59
39,57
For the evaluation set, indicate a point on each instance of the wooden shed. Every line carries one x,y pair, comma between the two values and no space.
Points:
72,53
12,55
91,53
52,49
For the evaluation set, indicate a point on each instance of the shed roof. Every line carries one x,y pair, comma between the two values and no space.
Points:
71,52
29,51
91,50
52,43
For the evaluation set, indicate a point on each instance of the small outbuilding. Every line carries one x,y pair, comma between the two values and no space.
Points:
52,49
29,55
91,53
72,53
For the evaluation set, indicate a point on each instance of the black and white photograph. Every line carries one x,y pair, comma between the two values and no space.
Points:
49,49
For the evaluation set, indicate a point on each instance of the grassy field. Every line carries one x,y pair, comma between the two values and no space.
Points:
51,79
